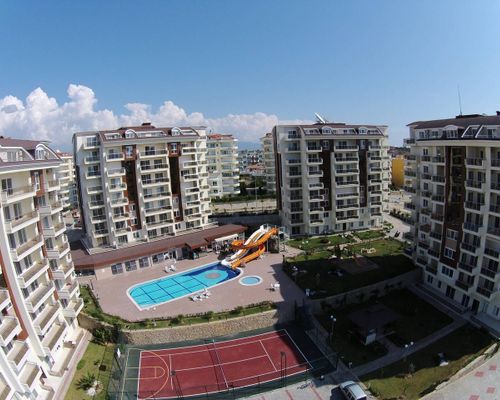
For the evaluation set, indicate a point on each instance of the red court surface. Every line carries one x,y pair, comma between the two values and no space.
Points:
220,366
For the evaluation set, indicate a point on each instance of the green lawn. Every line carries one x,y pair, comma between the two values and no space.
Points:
346,344
93,309
395,382
320,243
365,235
318,268
97,360
418,318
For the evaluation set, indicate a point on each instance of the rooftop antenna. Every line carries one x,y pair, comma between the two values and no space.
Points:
459,99
320,119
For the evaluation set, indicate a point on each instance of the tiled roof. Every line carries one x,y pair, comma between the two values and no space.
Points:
82,259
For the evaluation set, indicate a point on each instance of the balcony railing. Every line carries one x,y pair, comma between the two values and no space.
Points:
472,227
490,273
491,252
484,291
473,205
474,184
438,178
495,185
467,266
478,162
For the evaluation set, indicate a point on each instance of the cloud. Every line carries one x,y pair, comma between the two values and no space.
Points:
40,116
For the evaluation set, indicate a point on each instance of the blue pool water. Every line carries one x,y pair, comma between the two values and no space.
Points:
172,287
251,280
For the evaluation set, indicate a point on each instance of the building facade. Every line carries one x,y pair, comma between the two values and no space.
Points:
269,162
331,177
453,174
247,157
222,164
66,174
39,294
144,195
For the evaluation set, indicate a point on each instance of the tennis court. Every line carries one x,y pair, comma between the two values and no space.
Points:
219,366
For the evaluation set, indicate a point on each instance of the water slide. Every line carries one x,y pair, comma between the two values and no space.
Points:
255,242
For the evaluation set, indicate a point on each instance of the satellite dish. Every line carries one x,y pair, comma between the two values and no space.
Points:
320,119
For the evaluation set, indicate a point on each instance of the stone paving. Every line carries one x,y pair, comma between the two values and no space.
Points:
482,383
113,298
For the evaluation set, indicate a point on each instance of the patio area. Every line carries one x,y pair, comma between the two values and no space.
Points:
113,298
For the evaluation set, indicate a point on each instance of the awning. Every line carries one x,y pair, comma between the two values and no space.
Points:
230,237
196,244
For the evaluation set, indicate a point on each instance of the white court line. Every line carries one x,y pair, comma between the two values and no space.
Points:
170,365
220,366
298,348
125,375
222,347
269,357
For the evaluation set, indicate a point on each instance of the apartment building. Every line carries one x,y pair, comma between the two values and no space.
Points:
331,177
222,164
453,174
39,295
269,162
247,157
140,189
66,174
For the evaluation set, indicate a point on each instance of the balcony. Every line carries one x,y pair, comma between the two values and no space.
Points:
100,233
115,172
154,167
495,163
346,159
473,206
438,179
94,189
9,328
346,183
491,252
423,245
315,174
467,267
51,208
313,160
314,148
472,226
495,208
91,159
485,292
4,298
68,290
427,194
15,194
58,252
27,248
162,209
495,231
410,206
45,319
464,285
29,376
115,187
437,216
495,186
18,355
153,153
155,182
346,148
490,273
52,185
33,272
473,184
13,225
438,198
53,337
344,171
438,160
426,177
433,253
93,174
189,150
36,298
469,248
474,162
431,269
120,201
293,149
436,235
54,231
115,156
73,308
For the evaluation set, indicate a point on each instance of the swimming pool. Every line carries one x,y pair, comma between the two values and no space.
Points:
182,284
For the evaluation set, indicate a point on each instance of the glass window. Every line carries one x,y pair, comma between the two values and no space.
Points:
117,269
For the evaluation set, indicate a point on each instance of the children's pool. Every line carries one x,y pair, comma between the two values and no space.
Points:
179,285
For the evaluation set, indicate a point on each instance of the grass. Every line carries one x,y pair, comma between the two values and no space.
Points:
320,243
318,268
395,382
346,343
366,235
92,308
97,360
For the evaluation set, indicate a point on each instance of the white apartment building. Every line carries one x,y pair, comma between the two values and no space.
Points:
453,174
144,197
222,163
39,295
247,157
331,177
66,174
269,162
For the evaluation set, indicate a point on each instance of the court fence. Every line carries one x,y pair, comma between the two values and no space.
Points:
123,377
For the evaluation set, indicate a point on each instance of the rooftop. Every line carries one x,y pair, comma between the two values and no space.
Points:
462,121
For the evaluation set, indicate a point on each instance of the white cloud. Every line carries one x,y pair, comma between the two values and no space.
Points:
42,117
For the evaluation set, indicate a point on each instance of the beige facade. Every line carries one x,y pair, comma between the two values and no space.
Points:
39,297
269,162
66,175
331,177
222,164
453,175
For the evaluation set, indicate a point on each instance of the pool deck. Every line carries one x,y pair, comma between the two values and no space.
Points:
113,298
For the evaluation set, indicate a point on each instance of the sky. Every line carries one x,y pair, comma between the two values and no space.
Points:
241,67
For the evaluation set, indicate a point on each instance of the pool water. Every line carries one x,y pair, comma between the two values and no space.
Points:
179,285
250,280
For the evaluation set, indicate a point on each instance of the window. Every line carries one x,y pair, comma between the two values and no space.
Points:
449,253
447,271
143,262
130,265
430,279
116,269
450,234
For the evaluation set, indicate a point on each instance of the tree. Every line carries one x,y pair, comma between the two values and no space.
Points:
243,188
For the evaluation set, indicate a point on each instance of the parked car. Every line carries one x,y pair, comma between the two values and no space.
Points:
352,391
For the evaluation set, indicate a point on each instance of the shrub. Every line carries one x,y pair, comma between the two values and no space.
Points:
102,335
80,364
208,315
86,381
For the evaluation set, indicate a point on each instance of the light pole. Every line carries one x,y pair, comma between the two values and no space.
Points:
407,346
332,320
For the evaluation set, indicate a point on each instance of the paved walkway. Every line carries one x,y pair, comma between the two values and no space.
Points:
482,383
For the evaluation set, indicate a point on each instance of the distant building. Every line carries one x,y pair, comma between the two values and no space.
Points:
222,163
269,162
249,157
397,170
331,177
66,173
453,173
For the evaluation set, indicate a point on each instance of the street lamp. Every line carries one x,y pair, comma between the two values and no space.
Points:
406,347
332,320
